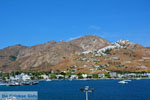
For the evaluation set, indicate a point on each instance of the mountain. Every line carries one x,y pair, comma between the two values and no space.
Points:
9,55
121,56
47,55
90,42
87,54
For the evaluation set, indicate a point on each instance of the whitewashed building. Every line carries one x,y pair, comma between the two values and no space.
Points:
45,77
59,76
113,74
74,77
101,75
84,75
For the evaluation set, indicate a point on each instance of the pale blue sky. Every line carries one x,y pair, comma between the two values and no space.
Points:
30,22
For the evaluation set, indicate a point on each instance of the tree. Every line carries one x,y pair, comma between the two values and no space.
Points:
18,72
80,75
95,75
5,76
53,76
57,71
107,75
68,74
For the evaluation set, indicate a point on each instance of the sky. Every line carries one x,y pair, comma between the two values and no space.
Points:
31,22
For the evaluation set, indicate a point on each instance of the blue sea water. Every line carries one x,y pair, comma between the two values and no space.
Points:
104,90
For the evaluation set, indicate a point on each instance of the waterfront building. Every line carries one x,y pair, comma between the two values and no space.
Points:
84,75
74,77
101,75
59,76
113,74
45,77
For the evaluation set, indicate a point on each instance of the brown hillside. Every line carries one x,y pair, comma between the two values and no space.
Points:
47,55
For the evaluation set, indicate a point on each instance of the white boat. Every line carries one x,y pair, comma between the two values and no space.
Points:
3,84
127,80
122,82
48,80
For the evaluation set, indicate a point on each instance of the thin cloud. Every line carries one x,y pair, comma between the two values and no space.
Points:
94,27
113,35
72,38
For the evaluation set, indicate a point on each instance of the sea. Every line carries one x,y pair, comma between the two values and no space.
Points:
104,90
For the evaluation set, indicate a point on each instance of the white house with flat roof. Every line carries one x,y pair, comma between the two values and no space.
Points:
84,75
113,74
101,75
74,77
45,76
21,77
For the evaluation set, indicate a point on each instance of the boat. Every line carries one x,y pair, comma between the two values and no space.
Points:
3,84
127,80
26,83
123,82
34,82
14,84
48,80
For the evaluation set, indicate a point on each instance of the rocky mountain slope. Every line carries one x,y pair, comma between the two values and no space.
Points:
48,55
88,54
9,55
90,42
121,56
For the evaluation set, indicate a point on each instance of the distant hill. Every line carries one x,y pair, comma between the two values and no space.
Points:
48,55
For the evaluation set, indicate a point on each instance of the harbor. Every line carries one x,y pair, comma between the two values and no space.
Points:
10,79
19,80
108,89
18,83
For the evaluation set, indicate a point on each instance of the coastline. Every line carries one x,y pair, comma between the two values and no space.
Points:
98,79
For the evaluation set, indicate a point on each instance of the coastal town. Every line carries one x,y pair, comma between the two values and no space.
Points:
30,78
115,61
74,49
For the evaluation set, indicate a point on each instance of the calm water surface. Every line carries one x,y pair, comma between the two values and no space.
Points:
105,90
